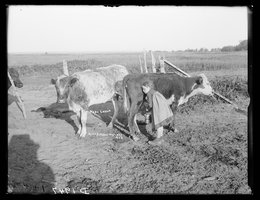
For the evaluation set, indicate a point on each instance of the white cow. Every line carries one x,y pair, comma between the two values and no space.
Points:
83,89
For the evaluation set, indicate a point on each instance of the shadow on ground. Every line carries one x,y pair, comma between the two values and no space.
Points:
103,111
26,174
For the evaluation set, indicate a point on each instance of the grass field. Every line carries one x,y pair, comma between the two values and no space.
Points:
31,64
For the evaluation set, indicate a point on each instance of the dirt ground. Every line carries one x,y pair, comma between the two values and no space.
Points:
207,156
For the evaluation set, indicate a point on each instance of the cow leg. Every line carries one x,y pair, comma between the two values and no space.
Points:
84,116
132,121
174,110
78,113
116,108
135,125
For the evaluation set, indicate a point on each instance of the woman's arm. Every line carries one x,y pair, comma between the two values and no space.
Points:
150,99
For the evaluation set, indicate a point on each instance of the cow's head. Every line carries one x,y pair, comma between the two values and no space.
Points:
61,86
15,76
202,85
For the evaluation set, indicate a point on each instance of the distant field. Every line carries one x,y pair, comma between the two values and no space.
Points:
230,63
49,59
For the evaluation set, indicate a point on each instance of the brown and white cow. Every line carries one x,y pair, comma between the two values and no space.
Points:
176,89
83,89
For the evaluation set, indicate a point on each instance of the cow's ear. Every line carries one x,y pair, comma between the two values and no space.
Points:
53,81
199,80
72,81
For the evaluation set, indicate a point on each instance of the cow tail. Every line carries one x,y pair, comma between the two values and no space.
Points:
124,97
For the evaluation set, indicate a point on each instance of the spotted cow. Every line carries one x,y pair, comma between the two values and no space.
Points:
83,89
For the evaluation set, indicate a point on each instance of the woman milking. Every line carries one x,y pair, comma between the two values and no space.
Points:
162,114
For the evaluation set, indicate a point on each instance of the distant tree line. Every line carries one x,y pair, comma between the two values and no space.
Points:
242,46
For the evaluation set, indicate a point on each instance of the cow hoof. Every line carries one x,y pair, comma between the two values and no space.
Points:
135,138
157,141
82,135
78,132
110,125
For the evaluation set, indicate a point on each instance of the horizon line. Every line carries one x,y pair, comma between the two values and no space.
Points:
97,52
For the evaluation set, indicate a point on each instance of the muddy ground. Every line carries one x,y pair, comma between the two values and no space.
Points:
207,156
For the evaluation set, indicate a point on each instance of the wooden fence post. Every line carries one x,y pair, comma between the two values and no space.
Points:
140,64
65,68
162,67
145,65
153,63
176,68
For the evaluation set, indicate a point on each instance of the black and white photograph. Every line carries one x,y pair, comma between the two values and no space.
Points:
128,99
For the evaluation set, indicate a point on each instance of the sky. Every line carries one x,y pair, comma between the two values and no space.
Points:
38,29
